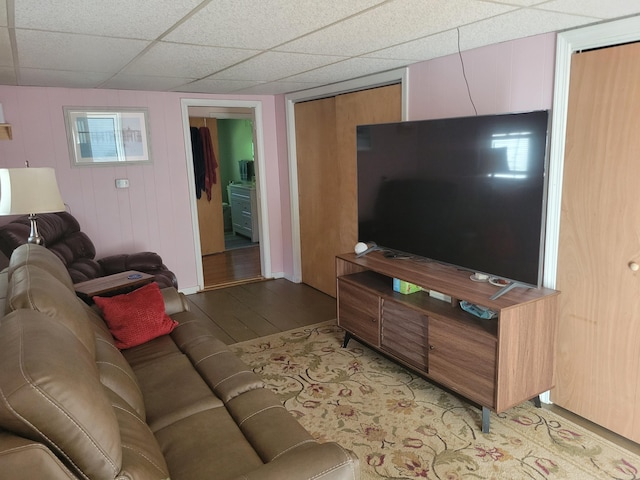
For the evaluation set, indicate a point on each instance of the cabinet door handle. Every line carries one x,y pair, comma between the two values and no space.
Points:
431,347
634,266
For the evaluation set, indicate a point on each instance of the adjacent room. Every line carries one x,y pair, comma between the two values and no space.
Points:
284,239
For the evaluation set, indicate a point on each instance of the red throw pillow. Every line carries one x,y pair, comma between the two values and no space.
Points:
136,317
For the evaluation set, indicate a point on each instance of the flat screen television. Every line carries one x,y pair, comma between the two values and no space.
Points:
469,191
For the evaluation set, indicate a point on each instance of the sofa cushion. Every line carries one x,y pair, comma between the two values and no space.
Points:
258,413
50,392
228,454
137,317
31,254
28,459
141,455
224,372
116,374
31,287
172,390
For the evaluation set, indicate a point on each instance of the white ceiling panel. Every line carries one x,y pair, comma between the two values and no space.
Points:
3,13
598,9
517,24
216,86
262,24
145,82
259,46
59,78
6,56
38,49
7,76
394,23
277,88
176,60
433,46
352,68
113,18
271,66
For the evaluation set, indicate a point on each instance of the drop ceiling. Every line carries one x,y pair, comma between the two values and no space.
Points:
259,46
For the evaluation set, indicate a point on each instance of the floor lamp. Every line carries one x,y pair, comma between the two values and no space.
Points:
29,191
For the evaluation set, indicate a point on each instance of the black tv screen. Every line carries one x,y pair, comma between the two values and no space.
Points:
467,191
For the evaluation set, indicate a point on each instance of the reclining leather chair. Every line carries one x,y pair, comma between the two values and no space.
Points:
62,235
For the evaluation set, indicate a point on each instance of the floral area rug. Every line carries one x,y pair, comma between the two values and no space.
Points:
402,427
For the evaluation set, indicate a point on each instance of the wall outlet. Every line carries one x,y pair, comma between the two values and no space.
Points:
122,183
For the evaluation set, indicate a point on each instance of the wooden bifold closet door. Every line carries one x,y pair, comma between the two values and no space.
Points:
327,182
598,355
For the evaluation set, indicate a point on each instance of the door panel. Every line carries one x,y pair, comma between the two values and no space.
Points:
598,359
210,220
318,190
326,152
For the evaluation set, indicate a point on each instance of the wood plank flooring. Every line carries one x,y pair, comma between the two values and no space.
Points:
231,267
251,310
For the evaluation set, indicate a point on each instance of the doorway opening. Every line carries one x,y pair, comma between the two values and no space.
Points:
229,222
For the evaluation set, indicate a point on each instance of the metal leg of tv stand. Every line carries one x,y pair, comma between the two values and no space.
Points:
486,419
347,337
486,414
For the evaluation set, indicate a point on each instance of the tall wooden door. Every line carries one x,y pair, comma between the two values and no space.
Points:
598,356
210,219
327,182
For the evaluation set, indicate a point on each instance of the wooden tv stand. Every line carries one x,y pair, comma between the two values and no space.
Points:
496,363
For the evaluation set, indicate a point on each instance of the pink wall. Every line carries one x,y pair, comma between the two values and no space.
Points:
513,76
154,213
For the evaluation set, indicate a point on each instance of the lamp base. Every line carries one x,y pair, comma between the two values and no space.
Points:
34,236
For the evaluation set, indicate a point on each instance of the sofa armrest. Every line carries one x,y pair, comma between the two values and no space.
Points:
326,461
23,458
174,301
147,262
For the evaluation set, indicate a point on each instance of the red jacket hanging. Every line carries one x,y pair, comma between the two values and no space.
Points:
210,163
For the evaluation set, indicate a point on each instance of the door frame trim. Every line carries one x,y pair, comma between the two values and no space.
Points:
261,181
391,77
601,35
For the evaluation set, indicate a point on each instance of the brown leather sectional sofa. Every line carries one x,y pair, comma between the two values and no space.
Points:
181,406
63,236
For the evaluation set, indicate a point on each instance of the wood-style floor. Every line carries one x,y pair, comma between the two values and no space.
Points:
251,310
231,267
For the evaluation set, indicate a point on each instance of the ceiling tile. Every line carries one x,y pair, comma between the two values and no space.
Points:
215,86
521,3
3,13
81,52
594,8
433,46
58,78
7,76
6,55
145,82
262,24
178,60
517,24
114,18
271,66
348,69
400,22
278,88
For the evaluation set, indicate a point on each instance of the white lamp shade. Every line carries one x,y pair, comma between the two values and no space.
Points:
29,190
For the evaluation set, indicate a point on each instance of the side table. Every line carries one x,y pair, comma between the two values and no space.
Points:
111,285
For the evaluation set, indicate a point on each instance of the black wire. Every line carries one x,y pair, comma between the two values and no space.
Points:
464,73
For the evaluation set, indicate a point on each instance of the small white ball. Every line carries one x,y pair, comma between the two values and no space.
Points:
360,247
